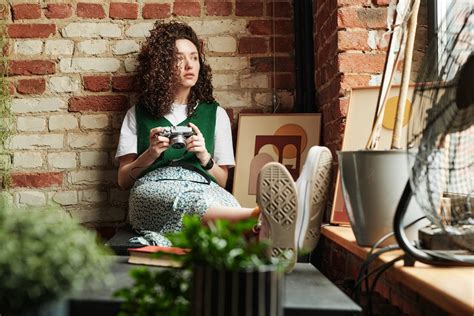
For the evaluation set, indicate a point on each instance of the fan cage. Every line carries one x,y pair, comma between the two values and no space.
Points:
441,133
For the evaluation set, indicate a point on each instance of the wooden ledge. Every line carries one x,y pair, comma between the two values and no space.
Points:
450,288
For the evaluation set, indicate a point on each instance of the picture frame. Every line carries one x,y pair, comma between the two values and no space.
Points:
359,120
280,137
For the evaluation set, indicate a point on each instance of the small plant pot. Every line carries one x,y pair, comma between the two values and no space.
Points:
373,182
220,292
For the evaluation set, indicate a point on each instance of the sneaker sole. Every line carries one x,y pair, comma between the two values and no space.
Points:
276,197
319,190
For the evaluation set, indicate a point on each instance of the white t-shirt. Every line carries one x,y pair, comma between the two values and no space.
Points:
223,149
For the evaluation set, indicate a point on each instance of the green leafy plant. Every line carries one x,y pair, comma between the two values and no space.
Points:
220,244
164,292
44,255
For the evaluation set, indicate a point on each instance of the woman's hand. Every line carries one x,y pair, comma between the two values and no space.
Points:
197,145
158,144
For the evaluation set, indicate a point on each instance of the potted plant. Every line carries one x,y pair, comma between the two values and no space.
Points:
45,255
229,271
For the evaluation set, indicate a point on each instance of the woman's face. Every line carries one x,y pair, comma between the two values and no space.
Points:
188,63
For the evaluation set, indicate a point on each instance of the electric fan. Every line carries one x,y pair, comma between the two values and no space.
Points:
441,142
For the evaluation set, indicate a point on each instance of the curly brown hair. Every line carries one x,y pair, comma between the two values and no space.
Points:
157,71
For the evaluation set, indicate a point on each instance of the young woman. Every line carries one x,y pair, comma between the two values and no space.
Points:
167,183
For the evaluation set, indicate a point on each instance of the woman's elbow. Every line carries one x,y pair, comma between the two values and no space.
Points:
123,183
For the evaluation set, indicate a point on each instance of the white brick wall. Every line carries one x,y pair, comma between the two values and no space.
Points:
93,47
62,122
93,196
93,177
92,30
81,145
35,105
62,160
227,63
95,121
28,47
89,140
77,65
97,215
224,80
63,84
59,47
222,44
37,141
130,64
214,27
93,158
31,124
255,80
30,198
139,30
27,159
263,98
125,47
64,197
233,99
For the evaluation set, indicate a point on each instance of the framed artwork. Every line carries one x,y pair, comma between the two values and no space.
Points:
359,119
263,138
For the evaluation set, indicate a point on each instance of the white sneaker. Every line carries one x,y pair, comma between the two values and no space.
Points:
276,197
313,188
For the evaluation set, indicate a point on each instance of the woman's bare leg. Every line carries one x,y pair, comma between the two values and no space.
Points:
233,214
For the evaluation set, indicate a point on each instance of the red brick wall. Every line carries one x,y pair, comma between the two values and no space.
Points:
391,296
351,40
72,77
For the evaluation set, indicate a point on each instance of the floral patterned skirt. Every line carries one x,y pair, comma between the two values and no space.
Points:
159,200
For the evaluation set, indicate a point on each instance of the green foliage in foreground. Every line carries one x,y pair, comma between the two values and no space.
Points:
164,292
44,255
221,245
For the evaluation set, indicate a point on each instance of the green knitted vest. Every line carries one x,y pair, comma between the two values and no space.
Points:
204,117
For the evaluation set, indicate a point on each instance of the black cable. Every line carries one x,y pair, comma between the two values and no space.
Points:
381,269
364,274
371,256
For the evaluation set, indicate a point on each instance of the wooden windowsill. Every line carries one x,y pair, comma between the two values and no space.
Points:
450,288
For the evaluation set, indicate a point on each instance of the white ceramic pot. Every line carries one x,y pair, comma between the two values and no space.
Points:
373,182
